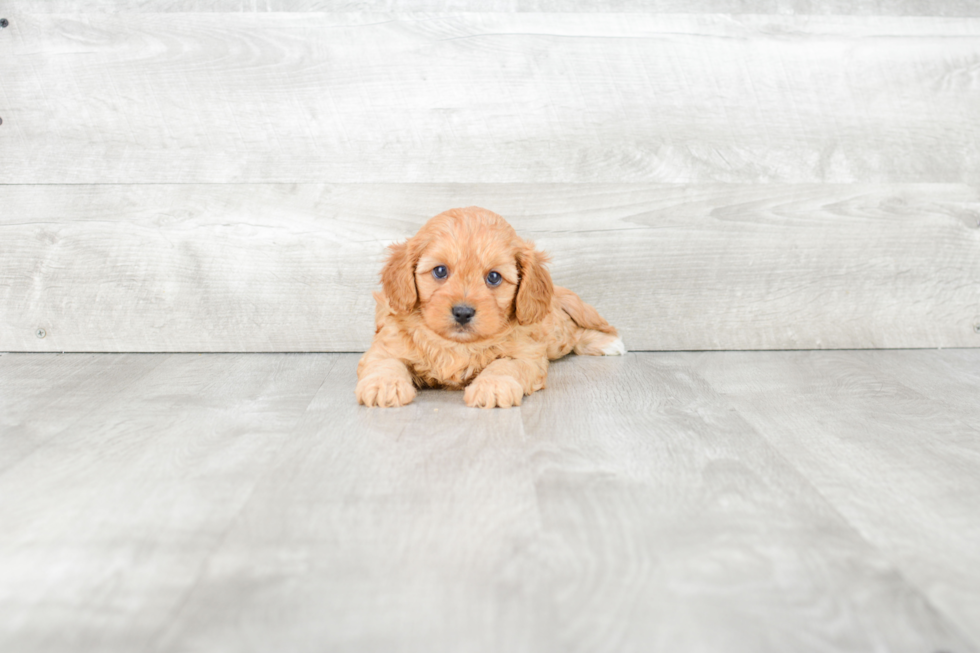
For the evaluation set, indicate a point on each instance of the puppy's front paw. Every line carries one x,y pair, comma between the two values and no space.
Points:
385,391
493,390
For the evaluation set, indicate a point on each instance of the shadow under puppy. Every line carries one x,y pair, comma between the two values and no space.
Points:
468,304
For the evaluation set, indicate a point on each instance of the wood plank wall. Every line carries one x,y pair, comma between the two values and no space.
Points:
178,175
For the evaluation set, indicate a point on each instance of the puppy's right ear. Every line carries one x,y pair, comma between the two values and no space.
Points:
398,278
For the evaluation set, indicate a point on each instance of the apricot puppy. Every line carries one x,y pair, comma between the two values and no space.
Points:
468,304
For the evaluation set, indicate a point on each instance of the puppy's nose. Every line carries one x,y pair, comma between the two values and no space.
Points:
463,313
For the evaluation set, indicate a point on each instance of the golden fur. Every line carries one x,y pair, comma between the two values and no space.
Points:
502,353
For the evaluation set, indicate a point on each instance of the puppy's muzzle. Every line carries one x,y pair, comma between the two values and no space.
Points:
463,313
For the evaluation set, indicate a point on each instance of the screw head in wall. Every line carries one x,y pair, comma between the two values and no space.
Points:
4,22
40,333
976,328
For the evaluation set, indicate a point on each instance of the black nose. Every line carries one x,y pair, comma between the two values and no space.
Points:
463,313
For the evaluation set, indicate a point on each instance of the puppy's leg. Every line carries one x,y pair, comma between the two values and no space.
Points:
597,343
505,381
595,337
383,382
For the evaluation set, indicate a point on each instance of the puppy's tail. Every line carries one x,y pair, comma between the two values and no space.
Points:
581,313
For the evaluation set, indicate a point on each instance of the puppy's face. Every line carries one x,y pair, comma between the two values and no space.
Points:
468,275
467,283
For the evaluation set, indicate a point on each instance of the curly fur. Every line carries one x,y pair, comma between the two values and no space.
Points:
502,353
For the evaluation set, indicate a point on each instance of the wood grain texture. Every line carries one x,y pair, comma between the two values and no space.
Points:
653,489
292,267
106,524
797,7
488,97
892,440
64,389
398,530
245,502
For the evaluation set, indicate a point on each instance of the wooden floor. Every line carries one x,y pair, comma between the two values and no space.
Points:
777,501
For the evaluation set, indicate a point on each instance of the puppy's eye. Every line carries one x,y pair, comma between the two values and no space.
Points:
440,272
494,278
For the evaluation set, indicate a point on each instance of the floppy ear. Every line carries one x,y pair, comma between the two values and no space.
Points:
398,278
534,288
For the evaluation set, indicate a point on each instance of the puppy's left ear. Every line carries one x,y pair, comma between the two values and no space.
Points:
535,288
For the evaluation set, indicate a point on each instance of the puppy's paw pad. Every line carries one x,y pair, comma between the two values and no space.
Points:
614,348
494,391
384,391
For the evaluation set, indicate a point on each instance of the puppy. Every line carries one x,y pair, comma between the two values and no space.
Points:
468,304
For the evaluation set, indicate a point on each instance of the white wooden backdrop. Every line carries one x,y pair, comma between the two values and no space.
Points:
179,175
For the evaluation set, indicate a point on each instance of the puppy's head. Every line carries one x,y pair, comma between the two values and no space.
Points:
469,275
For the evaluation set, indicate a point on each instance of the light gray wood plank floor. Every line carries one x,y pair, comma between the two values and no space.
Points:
753,501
